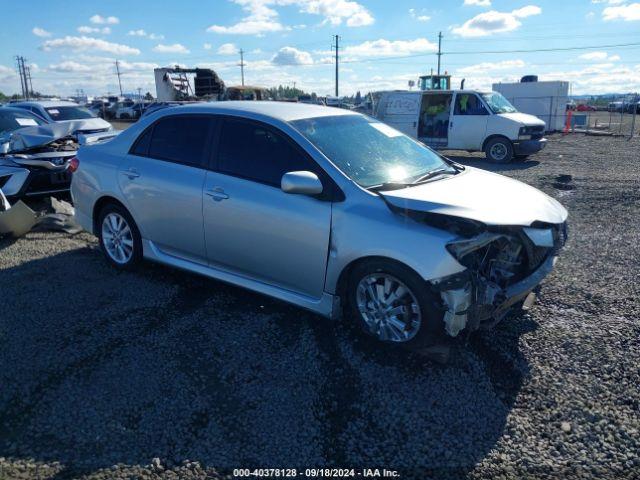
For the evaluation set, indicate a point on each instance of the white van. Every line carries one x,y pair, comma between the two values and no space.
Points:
462,120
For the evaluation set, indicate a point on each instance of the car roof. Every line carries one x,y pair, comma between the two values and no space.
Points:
285,111
48,103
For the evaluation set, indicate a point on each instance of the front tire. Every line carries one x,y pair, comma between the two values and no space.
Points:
392,303
499,150
119,237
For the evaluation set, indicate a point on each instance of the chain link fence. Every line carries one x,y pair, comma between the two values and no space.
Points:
619,117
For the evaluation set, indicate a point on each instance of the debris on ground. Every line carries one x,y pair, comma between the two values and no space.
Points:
19,219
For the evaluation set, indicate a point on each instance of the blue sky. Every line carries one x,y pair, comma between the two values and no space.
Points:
73,44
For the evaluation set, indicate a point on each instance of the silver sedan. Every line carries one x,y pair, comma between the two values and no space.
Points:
324,208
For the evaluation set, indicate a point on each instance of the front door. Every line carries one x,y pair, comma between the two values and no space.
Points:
252,228
162,179
468,125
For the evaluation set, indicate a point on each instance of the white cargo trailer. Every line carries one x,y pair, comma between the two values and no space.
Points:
545,100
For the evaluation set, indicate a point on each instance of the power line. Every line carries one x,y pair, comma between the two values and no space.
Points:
469,52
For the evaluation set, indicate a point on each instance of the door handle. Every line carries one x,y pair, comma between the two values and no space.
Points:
131,173
217,193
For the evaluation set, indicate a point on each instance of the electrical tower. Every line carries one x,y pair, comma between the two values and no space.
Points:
336,46
25,76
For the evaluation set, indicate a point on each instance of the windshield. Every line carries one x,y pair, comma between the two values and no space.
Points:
69,113
497,103
10,121
370,152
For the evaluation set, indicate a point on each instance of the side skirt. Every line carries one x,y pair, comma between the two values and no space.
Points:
327,305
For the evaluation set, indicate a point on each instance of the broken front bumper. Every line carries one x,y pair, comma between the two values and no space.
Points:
470,303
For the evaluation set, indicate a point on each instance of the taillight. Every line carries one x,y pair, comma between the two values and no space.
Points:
74,163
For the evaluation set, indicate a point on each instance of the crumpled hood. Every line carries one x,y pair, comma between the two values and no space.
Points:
483,196
41,135
523,118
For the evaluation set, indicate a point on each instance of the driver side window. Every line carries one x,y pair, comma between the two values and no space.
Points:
469,104
257,152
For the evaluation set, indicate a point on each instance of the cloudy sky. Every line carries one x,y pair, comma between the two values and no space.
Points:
73,44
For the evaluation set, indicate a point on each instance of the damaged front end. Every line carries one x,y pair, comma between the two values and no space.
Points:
36,159
504,266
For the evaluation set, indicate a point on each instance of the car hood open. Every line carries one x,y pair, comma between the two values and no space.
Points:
480,195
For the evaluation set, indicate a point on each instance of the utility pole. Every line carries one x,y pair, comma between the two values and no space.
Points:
118,73
139,94
337,48
28,76
23,77
439,50
242,66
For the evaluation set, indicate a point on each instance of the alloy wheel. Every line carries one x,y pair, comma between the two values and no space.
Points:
388,307
117,238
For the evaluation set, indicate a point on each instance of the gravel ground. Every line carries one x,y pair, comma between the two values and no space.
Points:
165,374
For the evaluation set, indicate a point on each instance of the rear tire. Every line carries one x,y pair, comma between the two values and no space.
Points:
499,150
119,237
393,304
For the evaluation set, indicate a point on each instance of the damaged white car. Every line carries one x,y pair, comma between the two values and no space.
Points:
34,159
323,208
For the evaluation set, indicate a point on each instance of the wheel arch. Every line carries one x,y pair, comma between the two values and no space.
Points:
100,204
492,136
343,278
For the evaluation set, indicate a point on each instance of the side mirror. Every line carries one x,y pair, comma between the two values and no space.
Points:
303,183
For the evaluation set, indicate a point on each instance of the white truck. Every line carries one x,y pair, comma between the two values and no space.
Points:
462,120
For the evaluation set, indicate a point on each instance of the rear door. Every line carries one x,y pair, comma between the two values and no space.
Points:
252,228
401,111
162,179
468,125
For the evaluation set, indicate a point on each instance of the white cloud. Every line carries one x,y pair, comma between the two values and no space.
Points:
143,33
102,30
89,43
292,56
173,48
382,47
479,3
491,66
598,55
418,16
336,11
207,46
227,49
628,13
6,72
40,32
262,18
594,56
100,20
491,22
70,66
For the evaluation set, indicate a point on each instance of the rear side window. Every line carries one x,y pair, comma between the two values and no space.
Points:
141,147
180,139
256,152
